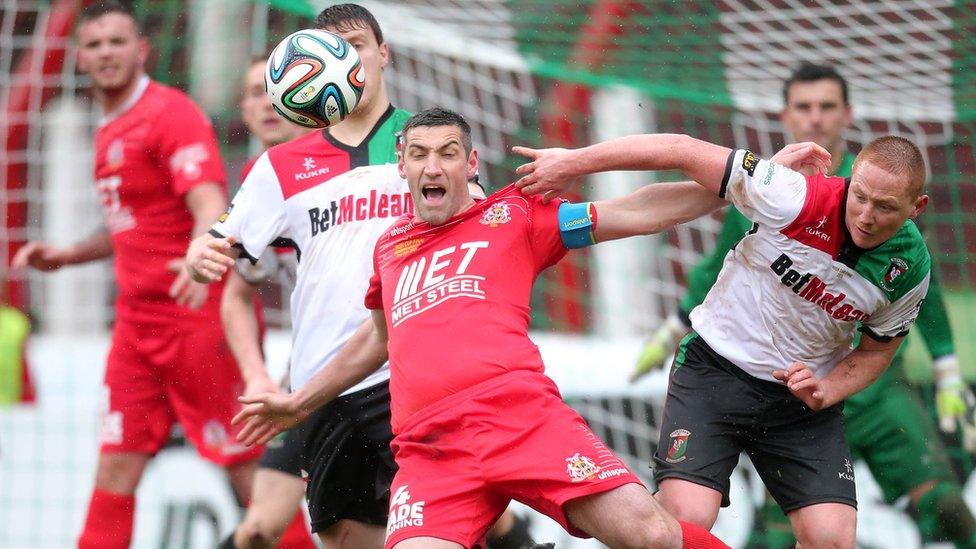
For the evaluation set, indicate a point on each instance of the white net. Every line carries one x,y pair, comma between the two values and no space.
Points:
503,64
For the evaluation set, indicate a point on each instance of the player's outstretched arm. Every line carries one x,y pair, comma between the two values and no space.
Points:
659,206
652,209
864,365
243,335
48,257
555,170
268,414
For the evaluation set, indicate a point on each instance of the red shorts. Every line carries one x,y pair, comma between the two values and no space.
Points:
162,372
464,458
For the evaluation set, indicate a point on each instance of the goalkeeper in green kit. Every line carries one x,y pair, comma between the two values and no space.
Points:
886,424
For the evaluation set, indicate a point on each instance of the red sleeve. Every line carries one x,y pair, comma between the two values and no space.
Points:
188,147
547,244
247,169
374,294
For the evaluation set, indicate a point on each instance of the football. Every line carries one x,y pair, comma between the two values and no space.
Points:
314,78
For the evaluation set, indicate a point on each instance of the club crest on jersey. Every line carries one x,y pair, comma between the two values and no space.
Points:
679,446
749,163
496,214
580,467
214,434
115,156
896,268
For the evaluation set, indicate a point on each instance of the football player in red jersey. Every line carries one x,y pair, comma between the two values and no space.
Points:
476,421
161,181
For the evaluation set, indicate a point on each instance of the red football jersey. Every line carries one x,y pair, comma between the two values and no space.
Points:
147,157
456,296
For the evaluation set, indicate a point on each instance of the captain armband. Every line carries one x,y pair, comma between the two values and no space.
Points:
576,224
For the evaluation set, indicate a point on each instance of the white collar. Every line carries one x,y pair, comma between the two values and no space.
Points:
105,118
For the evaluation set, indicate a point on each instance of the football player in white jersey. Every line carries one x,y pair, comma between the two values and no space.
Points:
768,364
274,514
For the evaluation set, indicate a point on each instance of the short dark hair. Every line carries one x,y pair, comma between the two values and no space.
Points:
810,72
104,7
439,116
347,17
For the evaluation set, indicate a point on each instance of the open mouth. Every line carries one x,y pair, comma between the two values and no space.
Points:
433,193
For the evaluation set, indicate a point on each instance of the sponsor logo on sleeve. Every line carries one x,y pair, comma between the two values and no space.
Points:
749,163
188,159
223,217
679,446
896,268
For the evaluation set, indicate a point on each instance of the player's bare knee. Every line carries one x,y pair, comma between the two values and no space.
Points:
689,511
119,473
816,536
661,532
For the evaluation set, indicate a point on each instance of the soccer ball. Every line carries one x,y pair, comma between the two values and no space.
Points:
314,78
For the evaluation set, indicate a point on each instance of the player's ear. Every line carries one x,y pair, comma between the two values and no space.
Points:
384,55
473,163
920,205
400,167
143,50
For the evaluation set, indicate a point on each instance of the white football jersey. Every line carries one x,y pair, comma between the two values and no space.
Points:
331,204
796,287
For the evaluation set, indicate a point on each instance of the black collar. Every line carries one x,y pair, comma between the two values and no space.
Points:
849,252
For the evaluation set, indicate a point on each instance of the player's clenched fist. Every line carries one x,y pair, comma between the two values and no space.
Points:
209,258
803,384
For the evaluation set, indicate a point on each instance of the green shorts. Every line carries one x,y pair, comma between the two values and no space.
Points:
893,433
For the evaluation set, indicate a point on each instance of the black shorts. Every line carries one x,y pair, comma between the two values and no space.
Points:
346,453
284,453
715,410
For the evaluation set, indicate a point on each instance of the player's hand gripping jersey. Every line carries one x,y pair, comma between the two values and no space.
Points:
797,288
471,277
330,202
147,157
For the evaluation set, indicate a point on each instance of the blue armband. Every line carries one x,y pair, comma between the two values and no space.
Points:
576,223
